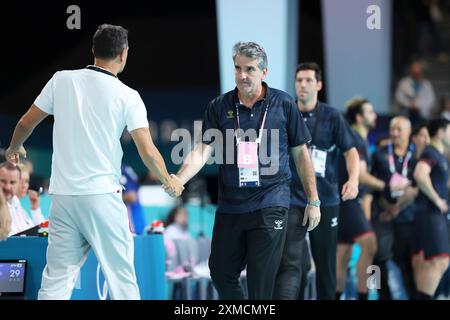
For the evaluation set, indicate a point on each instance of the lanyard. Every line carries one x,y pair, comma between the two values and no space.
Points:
405,161
258,140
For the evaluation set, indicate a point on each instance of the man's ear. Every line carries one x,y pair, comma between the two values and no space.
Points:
319,85
358,117
441,133
264,73
122,55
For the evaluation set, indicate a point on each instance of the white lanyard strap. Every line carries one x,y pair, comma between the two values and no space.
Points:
258,140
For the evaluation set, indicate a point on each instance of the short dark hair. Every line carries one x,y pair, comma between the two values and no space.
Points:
109,41
418,127
310,66
435,124
354,107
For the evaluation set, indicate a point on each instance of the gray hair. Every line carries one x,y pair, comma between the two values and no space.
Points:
251,50
401,117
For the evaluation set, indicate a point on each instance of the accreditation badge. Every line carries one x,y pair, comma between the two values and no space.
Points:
397,179
319,160
248,164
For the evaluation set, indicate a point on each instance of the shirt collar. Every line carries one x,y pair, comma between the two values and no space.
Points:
98,69
311,113
266,95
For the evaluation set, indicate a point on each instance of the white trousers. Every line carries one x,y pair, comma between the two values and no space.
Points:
78,223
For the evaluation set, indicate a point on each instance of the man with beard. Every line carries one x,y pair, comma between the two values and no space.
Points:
354,226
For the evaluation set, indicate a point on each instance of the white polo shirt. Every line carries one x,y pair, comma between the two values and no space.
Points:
91,109
20,221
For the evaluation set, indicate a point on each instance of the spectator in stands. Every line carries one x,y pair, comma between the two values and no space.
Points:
177,224
29,165
33,195
9,182
5,217
130,181
415,94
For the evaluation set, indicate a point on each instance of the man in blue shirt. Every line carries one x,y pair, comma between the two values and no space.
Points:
250,223
393,207
354,226
330,132
130,181
431,247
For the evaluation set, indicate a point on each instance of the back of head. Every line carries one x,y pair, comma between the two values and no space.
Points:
109,41
436,124
355,107
418,127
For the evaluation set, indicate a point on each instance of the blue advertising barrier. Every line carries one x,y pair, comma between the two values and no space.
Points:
149,261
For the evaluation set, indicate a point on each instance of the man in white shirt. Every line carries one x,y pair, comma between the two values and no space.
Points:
415,94
9,182
91,108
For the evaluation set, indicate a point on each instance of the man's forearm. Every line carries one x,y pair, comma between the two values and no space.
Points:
408,198
426,187
371,181
21,134
306,173
155,163
194,162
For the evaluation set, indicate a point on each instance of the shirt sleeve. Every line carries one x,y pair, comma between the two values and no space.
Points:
428,158
375,163
209,122
297,130
136,113
44,101
361,148
343,134
37,216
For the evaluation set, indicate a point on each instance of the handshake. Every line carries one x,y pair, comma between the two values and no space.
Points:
174,187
